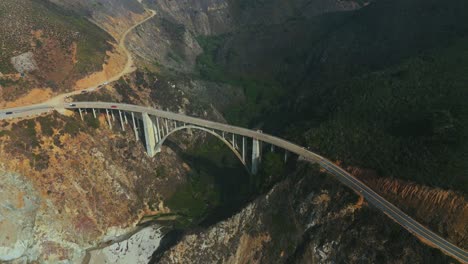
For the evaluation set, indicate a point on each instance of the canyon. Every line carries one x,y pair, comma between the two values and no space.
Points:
75,191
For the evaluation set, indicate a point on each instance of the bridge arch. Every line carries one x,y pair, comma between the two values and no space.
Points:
187,127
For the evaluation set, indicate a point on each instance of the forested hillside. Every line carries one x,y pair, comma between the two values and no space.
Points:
382,87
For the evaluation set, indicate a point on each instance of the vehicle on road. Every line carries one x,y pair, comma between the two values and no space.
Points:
83,92
8,113
113,106
72,105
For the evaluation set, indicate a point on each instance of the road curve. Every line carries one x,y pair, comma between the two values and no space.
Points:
417,229
128,67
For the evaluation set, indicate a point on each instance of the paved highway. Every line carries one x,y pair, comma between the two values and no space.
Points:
423,233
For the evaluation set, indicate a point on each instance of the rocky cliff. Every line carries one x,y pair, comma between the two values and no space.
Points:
76,184
171,40
306,218
68,185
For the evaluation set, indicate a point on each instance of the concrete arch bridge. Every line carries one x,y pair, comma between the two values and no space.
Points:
156,126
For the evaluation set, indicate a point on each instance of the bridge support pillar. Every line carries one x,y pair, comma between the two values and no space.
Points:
108,119
155,131
243,149
135,127
81,113
167,126
158,128
256,158
150,139
121,121
125,118
94,113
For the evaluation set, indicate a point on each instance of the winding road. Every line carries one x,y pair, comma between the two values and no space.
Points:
128,68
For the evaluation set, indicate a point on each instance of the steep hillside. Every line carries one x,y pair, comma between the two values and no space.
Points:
71,185
375,85
380,87
115,16
172,39
306,218
50,46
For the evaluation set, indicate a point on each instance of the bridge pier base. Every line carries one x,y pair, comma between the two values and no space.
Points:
148,128
256,158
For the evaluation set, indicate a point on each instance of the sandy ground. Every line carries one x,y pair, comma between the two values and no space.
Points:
35,96
113,67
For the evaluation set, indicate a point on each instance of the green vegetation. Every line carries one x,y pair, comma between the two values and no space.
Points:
260,94
240,6
217,184
161,172
194,199
29,133
57,24
47,124
124,89
381,88
39,161
91,121
176,31
102,95
206,65
7,82
4,133
72,128
92,42
271,170
408,121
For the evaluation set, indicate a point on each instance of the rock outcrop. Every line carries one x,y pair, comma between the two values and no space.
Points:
19,203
